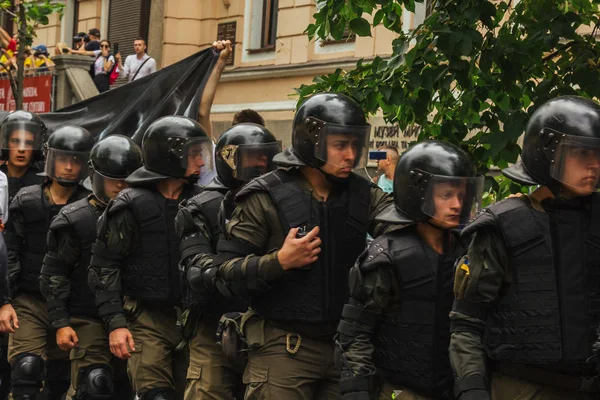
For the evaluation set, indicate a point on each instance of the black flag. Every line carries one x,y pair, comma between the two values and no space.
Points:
129,109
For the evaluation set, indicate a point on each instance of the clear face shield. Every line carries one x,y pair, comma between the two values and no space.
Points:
340,145
451,201
195,155
19,140
248,161
574,162
67,167
106,188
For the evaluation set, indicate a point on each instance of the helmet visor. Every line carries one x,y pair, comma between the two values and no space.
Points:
248,161
450,200
340,145
195,155
576,163
105,188
21,135
66,166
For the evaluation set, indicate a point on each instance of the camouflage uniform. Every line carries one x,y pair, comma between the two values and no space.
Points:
62,271
288,359
485,275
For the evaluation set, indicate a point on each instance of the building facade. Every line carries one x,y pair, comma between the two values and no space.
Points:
272,54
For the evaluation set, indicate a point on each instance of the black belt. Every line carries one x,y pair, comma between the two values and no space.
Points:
585,384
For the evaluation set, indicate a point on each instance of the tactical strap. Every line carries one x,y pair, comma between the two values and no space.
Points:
353,330
463,325
473,382
355,384
106,297
245,282
468,308
53,266
359,314
104,252
228,249
193,244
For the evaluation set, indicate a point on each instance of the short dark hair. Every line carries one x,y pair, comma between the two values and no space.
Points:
248,115
140,38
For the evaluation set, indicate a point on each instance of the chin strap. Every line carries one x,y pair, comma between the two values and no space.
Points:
65,183
334,179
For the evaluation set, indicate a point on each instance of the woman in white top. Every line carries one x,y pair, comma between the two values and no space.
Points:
102,66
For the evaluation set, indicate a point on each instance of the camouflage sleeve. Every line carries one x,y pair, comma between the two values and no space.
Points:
481,275
372,287
379,202
197,254
14,233
55,284
242,262
115,236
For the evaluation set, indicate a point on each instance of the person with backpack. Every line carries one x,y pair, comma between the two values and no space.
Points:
103,70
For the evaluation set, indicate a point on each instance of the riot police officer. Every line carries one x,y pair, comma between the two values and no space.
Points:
242,153
527,299
64,275
22,135
31,211
289,246
136,254
396,324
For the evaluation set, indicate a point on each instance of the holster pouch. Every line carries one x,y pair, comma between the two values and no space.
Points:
232,340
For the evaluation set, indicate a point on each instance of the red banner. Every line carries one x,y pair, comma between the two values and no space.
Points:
37,94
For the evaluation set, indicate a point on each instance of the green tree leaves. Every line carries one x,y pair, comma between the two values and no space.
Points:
473,72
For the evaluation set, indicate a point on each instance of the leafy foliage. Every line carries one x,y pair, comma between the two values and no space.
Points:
472,72
28,16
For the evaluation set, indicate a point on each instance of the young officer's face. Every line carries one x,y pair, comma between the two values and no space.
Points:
20,148
342,151
112,187
194,160
581,171
68,167
448,199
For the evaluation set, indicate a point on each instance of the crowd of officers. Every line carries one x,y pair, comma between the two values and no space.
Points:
260,285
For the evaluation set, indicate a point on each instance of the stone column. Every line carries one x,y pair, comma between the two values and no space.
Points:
73,81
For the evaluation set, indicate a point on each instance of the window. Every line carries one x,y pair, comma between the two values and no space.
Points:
269,23
263,28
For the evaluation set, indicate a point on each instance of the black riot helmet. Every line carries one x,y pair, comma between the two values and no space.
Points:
68,150
430,175
168,146
22,130
243,152
317,119
562,131
112,159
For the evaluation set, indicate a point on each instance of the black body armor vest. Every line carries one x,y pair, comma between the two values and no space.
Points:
81,217
412,339
209,204
317,292
151,269
551,310
37,215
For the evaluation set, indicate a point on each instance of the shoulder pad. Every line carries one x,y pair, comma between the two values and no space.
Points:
263,183
125,197
28,193
197,202
377,255
62,219
487,217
